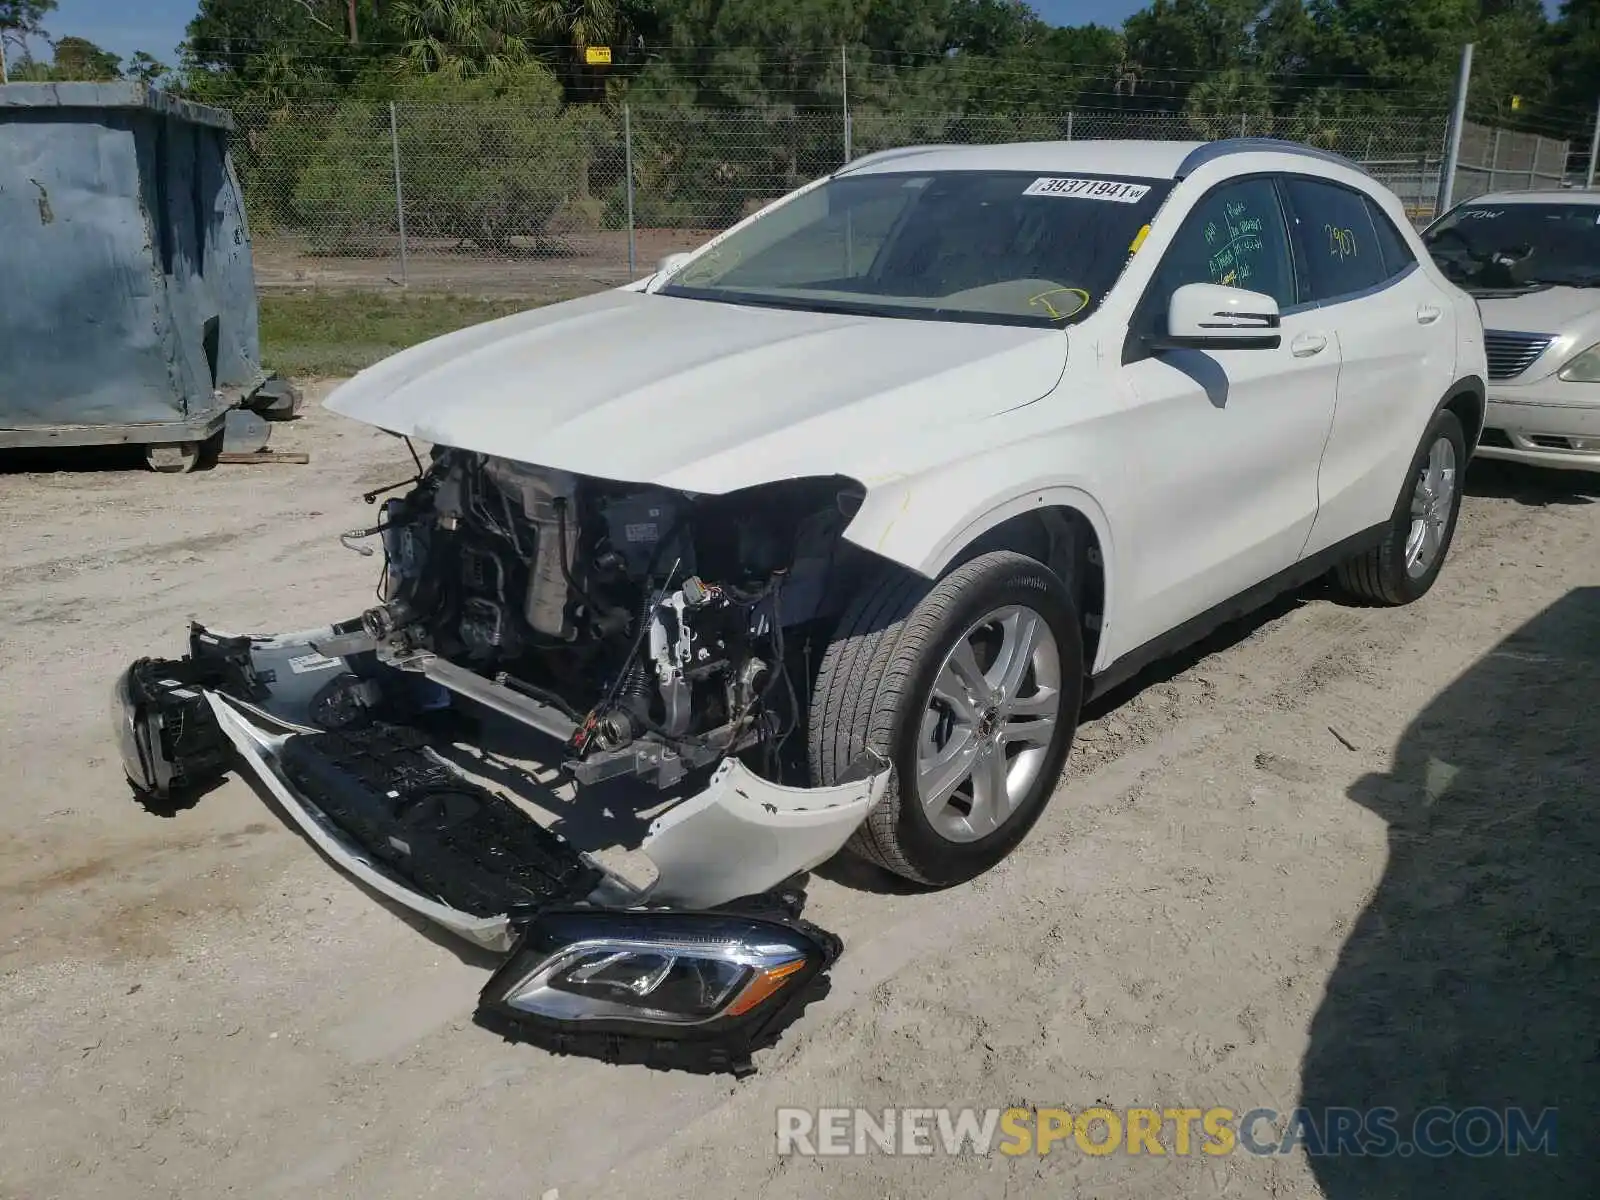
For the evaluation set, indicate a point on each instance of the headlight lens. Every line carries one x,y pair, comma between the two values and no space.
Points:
703,985
1583,368
670,984
125,721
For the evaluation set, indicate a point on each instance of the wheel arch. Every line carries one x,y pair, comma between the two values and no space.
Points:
1467,397
1061,525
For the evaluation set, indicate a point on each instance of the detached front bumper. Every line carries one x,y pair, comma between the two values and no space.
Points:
178,720
694,970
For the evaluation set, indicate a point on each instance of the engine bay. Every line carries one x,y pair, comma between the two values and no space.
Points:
652,631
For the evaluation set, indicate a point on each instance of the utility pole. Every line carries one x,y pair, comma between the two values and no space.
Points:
627,158
1452,151
1594,147
399,196
844,67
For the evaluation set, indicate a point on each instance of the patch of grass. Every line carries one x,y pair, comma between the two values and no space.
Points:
338,333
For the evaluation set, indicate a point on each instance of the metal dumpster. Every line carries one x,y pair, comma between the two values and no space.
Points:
127,292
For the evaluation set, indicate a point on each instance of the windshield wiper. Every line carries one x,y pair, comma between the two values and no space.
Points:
1576,281
904,312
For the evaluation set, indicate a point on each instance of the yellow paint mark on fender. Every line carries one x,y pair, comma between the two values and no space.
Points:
889,528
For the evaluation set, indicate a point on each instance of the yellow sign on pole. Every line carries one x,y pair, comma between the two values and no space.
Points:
1516,102
597,56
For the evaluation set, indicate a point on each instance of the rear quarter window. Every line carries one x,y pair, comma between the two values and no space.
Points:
1397,254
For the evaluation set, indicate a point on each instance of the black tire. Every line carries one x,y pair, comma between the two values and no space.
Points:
873,688
1379,575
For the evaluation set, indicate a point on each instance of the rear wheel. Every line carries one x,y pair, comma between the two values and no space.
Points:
1403,567
970,689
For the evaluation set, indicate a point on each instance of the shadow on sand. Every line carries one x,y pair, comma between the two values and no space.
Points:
1473,976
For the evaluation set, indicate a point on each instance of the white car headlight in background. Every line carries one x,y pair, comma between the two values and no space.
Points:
1582,368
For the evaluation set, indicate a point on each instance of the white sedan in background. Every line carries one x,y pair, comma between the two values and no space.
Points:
823,534
1532,260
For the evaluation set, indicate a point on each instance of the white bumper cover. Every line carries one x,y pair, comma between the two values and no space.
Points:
1549,424
740,836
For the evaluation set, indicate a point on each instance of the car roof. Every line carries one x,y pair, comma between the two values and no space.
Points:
1139,158
1544,196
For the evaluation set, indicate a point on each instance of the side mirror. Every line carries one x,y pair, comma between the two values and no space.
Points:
1208,316
672,262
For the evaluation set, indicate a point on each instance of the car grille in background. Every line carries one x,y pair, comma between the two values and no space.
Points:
1510,354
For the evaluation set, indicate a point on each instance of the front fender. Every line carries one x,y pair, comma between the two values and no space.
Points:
923,523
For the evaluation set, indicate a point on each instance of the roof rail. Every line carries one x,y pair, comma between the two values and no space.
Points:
1245,145
897,152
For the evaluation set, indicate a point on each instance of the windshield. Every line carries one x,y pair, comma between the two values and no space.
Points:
1488,246
991,246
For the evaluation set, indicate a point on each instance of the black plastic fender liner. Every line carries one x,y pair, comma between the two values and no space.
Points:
720,1045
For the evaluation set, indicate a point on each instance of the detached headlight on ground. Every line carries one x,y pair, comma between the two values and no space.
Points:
1583,368
694,990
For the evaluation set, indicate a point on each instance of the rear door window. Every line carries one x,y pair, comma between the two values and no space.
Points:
1337,244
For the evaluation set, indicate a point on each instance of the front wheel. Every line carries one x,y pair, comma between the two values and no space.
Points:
970,688
1406,563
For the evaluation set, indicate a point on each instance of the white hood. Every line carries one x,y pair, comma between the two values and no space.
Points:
1549,310
702,396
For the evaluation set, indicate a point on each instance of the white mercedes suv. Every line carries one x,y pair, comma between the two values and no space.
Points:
823,534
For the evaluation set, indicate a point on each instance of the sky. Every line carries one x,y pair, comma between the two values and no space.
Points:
156,26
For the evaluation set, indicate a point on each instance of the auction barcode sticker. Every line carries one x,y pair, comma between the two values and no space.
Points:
1088,189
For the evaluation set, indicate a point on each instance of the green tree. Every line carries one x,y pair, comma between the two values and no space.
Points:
276,49
19,21
1234,102
1414,46
1192,38
79,58
486,161
1575,44
466,38
146,68
581,22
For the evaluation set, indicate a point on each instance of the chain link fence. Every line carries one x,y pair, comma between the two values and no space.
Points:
1494,160
502,199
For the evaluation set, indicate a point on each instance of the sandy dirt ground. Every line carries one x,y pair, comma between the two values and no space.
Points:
1335,856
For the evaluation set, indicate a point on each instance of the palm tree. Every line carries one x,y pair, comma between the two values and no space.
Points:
466,37
582,22
488,37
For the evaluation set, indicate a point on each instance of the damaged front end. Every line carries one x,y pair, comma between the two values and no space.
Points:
626,637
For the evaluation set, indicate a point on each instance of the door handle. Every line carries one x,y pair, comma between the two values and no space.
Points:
1427,314
1308,344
